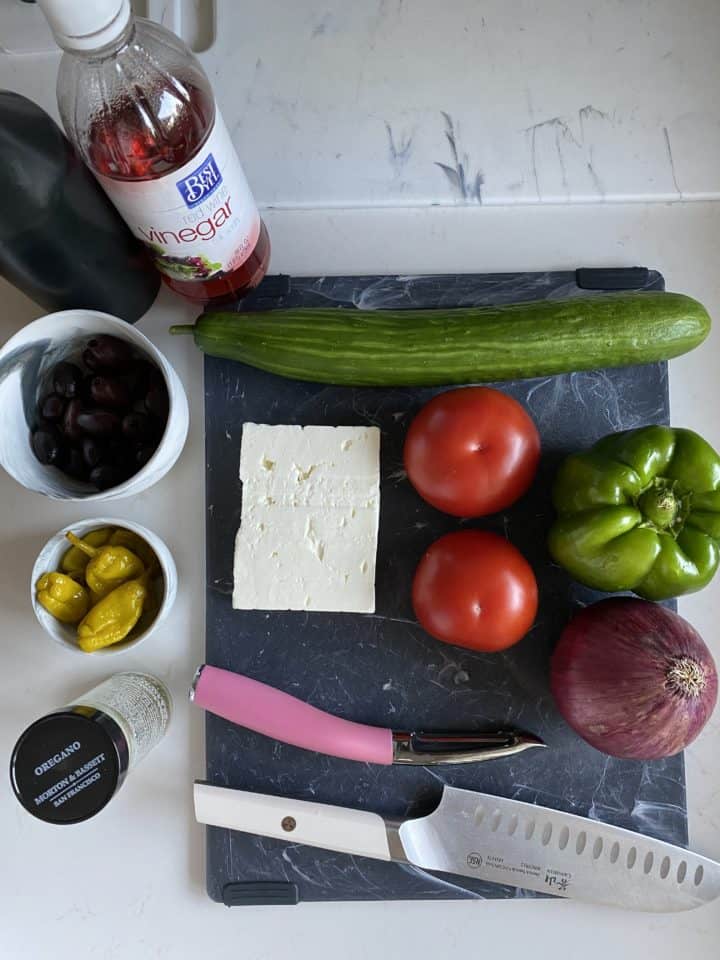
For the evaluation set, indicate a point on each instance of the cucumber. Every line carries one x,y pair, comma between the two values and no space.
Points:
433,347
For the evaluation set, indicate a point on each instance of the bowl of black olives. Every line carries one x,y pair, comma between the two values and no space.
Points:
90,409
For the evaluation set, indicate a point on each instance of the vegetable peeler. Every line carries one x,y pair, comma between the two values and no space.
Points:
269,711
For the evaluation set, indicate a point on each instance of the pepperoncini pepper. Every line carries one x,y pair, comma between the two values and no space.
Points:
62,597
128,538
75,560
108,567
113,617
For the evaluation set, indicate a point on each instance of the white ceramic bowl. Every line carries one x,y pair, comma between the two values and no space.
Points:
49,559
24,361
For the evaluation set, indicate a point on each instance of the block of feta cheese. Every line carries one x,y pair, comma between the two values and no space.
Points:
309,521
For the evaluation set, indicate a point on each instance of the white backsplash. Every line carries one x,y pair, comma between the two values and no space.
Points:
414,102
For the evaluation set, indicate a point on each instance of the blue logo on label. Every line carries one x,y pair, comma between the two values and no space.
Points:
201,183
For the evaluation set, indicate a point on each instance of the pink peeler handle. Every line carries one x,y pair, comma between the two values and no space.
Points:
273,713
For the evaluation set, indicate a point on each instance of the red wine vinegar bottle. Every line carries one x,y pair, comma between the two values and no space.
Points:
139,108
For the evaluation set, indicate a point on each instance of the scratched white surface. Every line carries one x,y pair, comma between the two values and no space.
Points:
415,102
391,102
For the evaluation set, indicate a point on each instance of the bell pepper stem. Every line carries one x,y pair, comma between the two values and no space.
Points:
660,506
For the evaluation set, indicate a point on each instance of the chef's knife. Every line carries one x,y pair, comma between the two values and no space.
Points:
269,711
487,838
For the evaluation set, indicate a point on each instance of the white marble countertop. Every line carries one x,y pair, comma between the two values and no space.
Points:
130,884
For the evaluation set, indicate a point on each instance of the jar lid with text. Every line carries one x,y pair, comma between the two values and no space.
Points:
67,766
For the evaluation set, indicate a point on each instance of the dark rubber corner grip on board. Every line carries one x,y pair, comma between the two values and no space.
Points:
610,278
264,893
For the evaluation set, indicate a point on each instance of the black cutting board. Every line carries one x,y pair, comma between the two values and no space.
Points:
384,669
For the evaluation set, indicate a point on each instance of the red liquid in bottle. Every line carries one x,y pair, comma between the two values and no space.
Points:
133,144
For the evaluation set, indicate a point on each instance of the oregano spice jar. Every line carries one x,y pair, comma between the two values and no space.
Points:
69,764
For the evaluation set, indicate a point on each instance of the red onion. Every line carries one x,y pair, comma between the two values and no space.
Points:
633,679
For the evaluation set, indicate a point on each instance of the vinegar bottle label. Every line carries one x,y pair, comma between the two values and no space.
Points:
200,221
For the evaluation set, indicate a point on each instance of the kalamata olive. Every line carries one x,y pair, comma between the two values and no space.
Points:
47,445
104,475
110,392
74,464
118,452
145,375
157,402
92,451
67,378
52,407
90,362
70,425
133,379
143,454
85,391
120,455
98,423
105,352
138,426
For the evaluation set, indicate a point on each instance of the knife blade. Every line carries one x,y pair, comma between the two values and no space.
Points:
274,713
487,838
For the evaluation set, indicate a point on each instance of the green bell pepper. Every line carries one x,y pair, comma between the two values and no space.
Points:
640,511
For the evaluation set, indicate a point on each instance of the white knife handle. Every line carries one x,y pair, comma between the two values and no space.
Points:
356,832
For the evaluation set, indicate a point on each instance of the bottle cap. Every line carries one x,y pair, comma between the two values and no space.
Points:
68,765
86,24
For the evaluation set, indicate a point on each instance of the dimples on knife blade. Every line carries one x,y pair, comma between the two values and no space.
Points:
516,843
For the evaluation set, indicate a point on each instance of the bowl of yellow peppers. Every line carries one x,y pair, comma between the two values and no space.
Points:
103,586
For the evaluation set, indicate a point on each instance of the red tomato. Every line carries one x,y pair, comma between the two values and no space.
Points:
471,452
474,589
